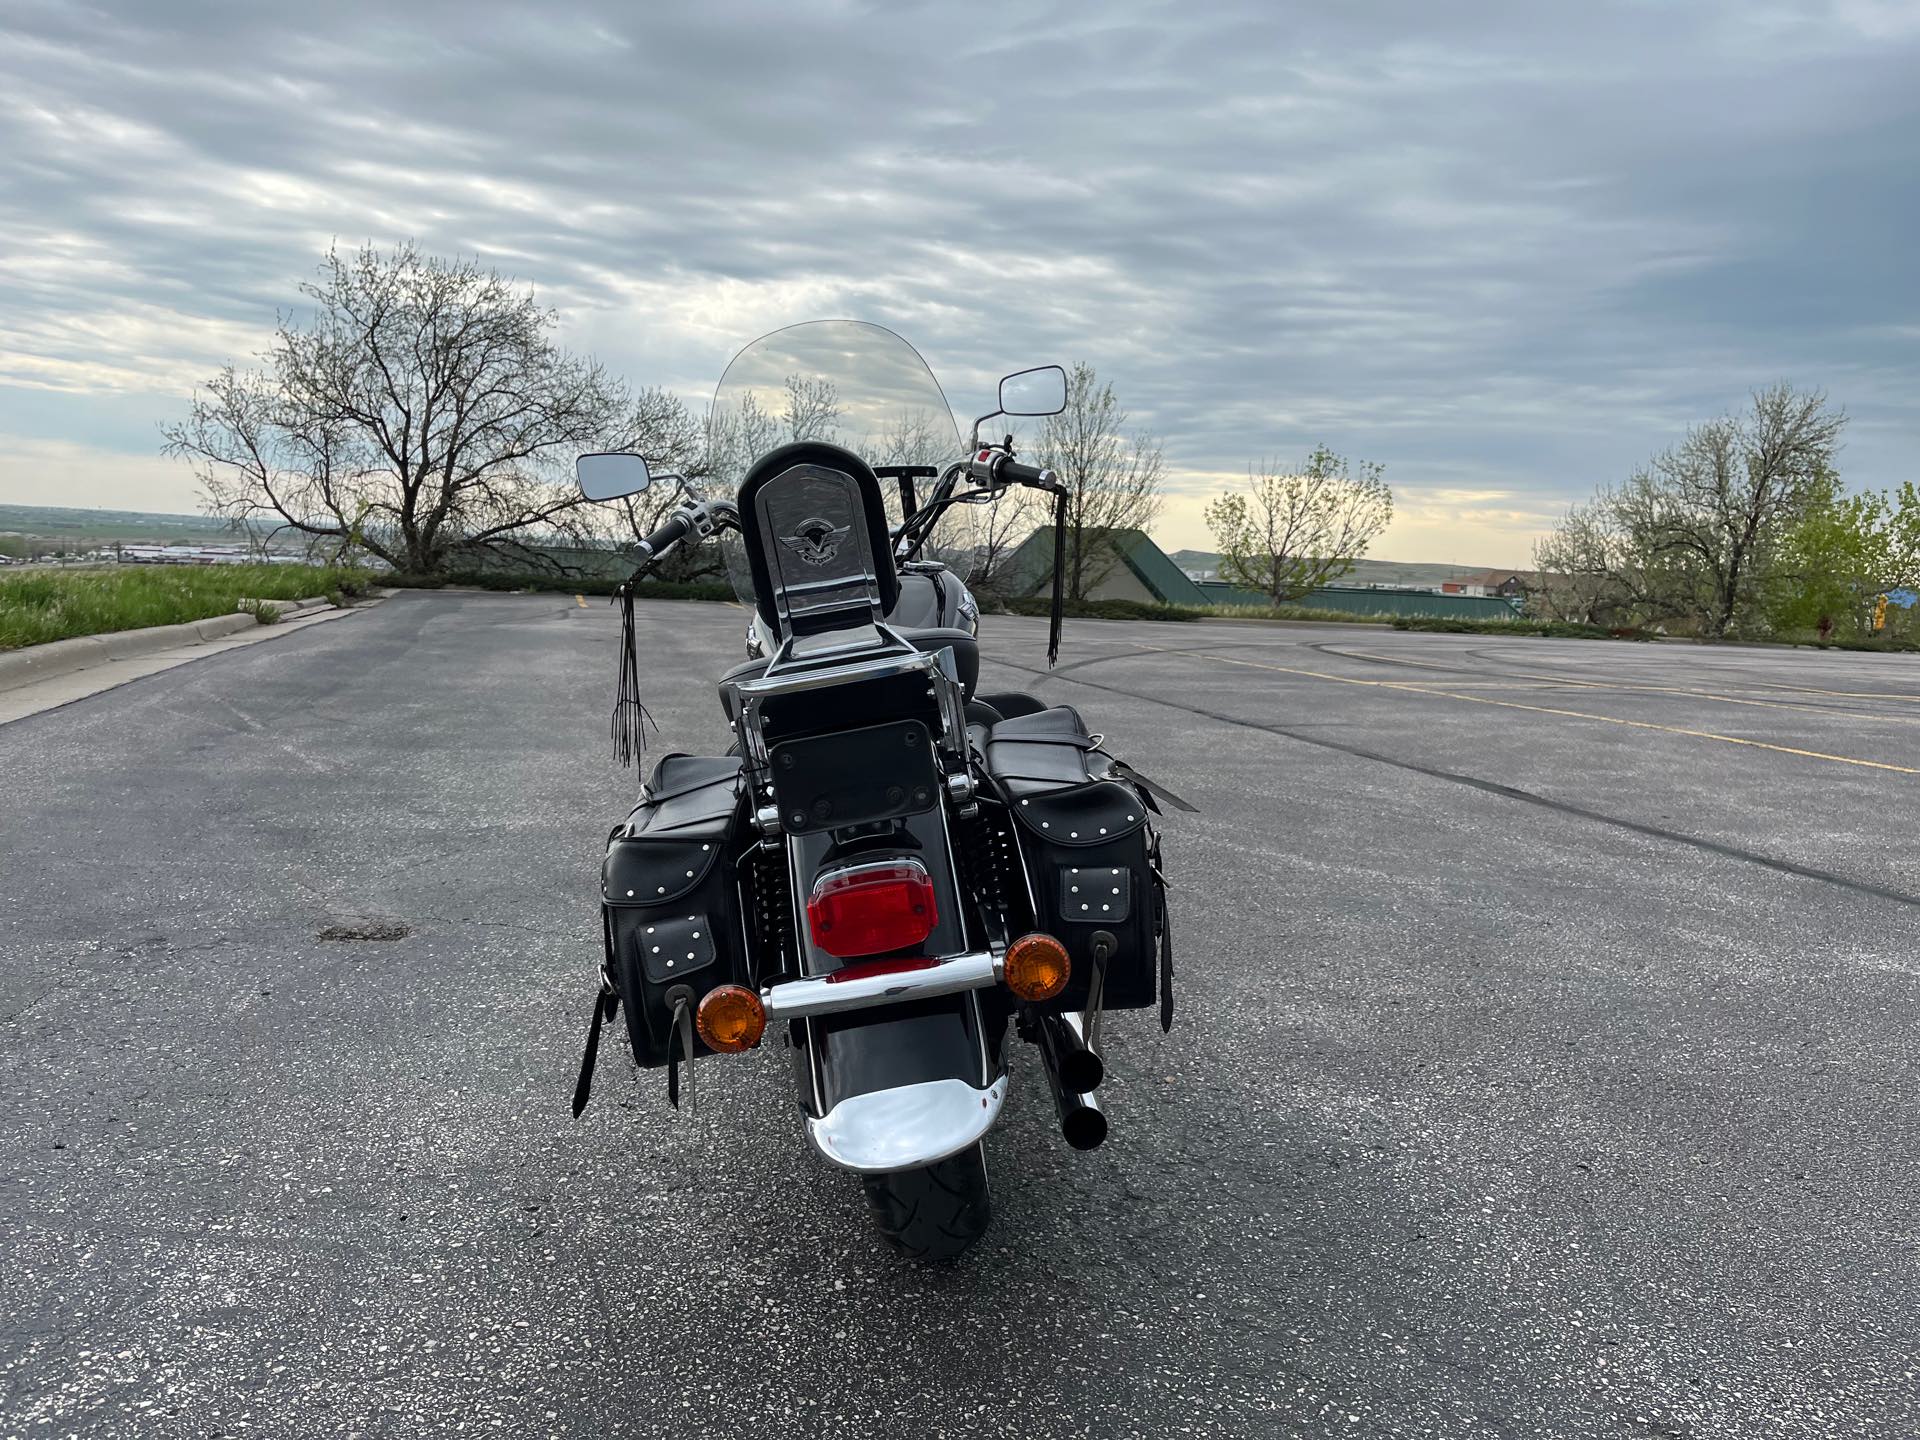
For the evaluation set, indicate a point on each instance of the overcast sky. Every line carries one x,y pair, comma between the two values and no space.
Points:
1509,249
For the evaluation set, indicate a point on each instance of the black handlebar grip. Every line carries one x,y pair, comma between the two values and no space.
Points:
1020,474
670,533
992,467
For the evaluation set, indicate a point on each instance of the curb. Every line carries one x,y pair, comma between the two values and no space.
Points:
64,657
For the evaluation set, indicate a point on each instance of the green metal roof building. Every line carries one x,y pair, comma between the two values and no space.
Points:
1137,569
1128,566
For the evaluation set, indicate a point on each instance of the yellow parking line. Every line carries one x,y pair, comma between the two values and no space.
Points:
1843,694
1653,689
1411,688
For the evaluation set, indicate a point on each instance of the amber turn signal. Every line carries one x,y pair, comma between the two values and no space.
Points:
731,1019
1037,967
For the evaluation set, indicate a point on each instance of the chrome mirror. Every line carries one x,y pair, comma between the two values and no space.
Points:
1039,391
611,474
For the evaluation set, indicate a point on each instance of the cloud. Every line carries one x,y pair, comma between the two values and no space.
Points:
1500,247
64,472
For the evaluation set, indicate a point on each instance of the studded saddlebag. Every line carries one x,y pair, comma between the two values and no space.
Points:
1092,855
672,901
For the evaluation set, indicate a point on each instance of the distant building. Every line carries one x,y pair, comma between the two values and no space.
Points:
1511,584
185,555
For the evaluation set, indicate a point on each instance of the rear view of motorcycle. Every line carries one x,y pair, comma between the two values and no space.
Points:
891,872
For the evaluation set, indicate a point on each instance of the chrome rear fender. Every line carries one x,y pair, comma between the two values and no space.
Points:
903,1086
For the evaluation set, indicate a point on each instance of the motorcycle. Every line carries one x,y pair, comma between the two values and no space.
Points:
889,869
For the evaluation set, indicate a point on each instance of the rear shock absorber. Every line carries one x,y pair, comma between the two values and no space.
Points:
991,869
771,910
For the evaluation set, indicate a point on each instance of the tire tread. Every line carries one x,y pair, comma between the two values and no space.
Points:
936,1211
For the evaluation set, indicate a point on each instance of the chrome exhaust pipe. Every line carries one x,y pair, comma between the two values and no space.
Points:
1078,1062
1082,1122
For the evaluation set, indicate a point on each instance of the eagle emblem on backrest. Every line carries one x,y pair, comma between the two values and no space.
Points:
815,541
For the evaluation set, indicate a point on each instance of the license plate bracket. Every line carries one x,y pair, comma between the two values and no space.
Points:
854,777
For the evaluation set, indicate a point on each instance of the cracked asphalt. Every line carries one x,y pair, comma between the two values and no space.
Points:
1545,1063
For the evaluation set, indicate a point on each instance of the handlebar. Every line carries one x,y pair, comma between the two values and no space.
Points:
996,467
671,533
695,519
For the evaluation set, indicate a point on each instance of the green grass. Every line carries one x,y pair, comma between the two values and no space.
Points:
1553,629
563,584
60,604
1878,644
1092,609
1139,610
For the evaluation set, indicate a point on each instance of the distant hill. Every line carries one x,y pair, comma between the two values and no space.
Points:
78,525
1365,572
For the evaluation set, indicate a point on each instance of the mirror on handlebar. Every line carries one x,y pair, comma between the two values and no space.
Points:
611,474
1039,391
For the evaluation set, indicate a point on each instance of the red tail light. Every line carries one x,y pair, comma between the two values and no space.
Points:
871,909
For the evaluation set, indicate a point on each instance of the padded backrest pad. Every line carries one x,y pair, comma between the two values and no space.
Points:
824,518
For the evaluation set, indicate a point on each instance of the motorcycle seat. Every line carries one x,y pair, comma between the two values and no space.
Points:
966,657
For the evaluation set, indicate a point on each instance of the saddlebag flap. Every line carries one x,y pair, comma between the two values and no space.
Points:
671,898
1091,853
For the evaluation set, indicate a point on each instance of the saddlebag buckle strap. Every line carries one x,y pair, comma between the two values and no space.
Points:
1153,788
1166,944
605,1004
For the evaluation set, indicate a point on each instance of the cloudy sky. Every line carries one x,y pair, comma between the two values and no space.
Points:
1509,249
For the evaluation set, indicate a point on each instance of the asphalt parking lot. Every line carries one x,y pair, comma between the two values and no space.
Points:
1545,1063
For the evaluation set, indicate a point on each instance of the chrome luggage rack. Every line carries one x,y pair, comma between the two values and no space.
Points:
874,652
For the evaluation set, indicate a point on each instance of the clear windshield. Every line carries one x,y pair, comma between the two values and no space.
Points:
856,385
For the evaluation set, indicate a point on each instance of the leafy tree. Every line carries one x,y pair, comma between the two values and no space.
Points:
422,411
1286,534
1831,564
1903,537
1112,475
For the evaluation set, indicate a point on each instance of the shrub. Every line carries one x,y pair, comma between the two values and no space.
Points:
1552,629
1098,609
1879,644
1294,612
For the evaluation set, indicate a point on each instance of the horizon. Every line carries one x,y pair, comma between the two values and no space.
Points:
1171,551
1510,255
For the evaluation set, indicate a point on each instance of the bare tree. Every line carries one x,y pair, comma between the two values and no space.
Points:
1732,486
1002,527
1113,476
1287,534
813,408
422,412
661,427
1691,535
1585,569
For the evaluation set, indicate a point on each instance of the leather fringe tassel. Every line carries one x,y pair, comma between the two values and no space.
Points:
682,1027
630,717
1059,579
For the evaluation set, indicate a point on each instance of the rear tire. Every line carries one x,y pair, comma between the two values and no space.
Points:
935,1212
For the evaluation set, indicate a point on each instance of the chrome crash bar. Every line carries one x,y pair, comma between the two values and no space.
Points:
831,994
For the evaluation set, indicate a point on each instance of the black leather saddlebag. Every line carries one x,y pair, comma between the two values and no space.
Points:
1091,853
672,899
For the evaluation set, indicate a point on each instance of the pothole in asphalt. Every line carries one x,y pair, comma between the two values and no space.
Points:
366,928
